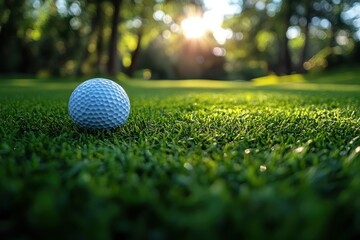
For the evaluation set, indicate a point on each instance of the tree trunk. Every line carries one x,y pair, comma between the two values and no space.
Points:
10,43
113,62
288,61
94,27
285,62
100,40
303,56
135,56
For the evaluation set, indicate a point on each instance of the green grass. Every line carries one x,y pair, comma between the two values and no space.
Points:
195,160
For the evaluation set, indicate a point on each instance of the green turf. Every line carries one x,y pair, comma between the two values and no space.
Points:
196,160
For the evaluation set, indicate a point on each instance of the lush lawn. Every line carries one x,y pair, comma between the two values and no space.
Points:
196,159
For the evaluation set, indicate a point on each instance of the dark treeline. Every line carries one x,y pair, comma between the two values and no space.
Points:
147,38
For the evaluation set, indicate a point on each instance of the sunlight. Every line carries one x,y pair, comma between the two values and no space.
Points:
194,27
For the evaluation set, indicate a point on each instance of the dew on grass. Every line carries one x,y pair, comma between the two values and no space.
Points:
299,149
188,166
353,140
262,168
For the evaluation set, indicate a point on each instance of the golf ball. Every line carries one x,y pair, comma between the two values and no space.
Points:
99,103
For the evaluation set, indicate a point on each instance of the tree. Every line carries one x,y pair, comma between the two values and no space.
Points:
253,50
96,28
13,46
142,28
100,37
71,37
135,55
113,62
138,12
306,31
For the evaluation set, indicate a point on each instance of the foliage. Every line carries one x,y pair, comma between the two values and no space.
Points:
79,37
205,160
305,27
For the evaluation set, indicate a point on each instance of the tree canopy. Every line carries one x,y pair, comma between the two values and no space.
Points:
169,39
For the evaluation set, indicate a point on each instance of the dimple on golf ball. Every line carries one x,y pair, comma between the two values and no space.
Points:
99,103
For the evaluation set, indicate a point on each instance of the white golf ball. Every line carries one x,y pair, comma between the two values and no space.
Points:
99,103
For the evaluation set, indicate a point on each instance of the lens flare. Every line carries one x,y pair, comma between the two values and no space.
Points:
194,27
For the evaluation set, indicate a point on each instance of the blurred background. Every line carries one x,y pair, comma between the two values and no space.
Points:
172,39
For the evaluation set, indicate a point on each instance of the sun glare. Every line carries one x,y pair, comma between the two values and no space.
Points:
194,27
